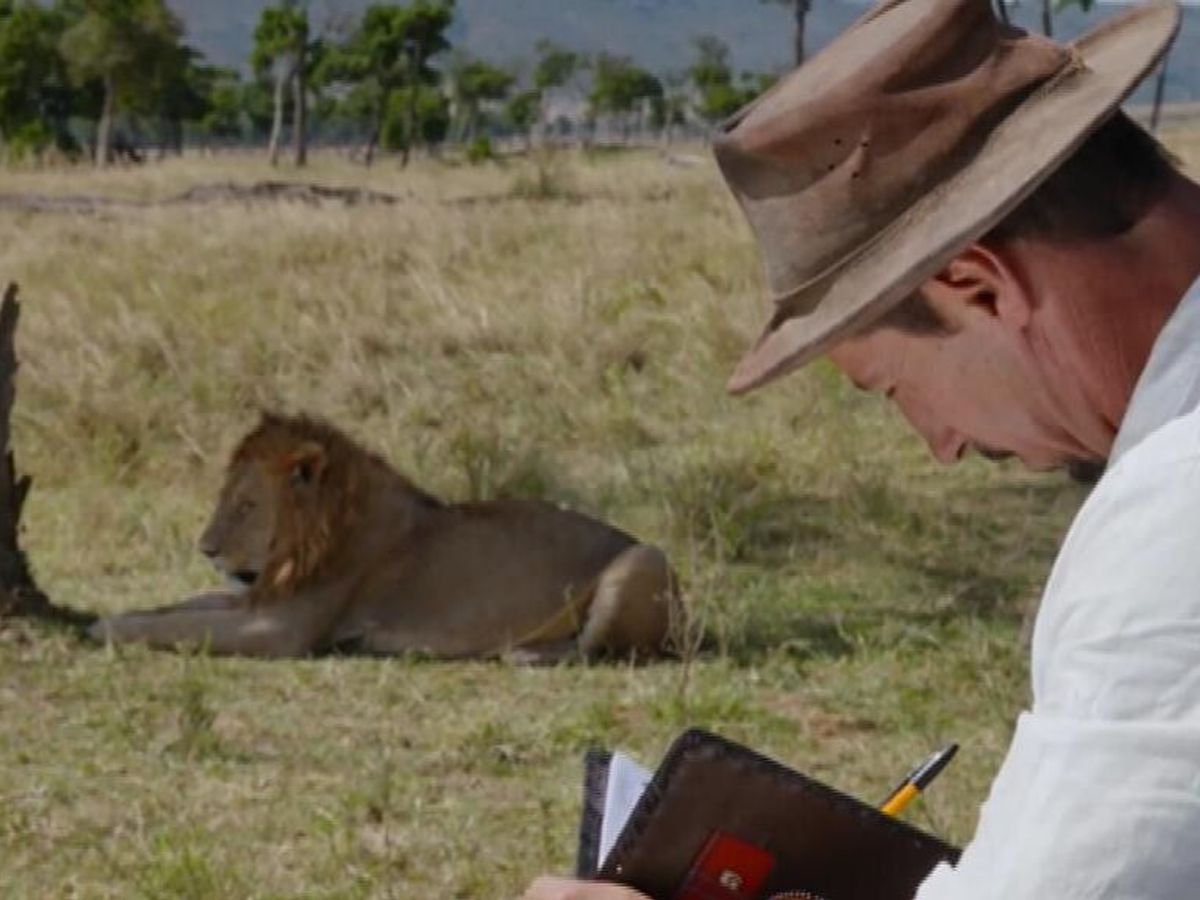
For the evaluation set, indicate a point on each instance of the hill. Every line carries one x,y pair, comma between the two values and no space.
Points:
657,33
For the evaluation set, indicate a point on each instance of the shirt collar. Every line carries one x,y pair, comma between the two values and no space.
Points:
1169,385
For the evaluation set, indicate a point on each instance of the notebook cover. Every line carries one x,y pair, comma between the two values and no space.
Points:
595,782
721,822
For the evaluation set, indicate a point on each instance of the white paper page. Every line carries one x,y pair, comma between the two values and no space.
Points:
626,781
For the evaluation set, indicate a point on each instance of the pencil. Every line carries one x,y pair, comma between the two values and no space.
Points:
917,780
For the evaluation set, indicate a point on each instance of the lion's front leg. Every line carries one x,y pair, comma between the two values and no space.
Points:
224,624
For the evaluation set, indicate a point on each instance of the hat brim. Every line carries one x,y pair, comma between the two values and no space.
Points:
1037,137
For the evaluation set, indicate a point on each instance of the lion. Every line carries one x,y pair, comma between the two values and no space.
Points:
331,549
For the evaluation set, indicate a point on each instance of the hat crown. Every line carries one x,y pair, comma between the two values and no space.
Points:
839,148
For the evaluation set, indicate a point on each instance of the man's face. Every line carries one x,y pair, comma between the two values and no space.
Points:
978,386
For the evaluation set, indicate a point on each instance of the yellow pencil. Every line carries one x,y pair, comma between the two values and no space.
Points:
917,780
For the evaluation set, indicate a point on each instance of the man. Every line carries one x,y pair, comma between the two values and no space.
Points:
955,215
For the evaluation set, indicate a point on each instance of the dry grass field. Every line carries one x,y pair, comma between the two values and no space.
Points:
493,334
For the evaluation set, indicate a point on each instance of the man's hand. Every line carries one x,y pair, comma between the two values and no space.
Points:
549,888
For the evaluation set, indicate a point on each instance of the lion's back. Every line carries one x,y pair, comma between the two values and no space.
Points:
481,576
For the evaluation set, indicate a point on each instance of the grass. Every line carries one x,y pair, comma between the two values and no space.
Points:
558,329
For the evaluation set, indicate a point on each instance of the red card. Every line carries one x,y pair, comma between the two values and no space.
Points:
726,869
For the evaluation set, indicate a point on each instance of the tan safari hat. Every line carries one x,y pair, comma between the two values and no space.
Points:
863,172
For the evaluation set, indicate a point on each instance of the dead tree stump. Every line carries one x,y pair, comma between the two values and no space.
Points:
19,594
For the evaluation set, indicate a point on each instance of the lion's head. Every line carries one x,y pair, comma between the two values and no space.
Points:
292,488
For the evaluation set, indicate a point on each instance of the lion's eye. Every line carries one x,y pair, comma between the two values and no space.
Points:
245,507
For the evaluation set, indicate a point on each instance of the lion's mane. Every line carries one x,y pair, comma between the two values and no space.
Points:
312,538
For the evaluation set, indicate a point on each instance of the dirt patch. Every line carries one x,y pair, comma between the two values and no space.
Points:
216,192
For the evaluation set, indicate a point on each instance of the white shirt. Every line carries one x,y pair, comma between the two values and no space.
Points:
1099,796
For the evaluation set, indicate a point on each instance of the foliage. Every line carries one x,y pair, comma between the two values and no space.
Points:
389,52
432,118
282,48
133,47
480,150
620,88
522,110
555,66
227,104
279,36
35,92
121,41
669,110
711,75
475,83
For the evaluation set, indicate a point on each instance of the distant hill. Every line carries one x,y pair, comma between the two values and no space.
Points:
656,33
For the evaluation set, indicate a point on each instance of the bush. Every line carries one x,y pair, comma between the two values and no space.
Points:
480,150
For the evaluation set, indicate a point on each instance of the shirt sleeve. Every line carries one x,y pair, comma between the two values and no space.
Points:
1099,794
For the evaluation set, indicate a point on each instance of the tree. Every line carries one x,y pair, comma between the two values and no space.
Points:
226,106
669,111
555,67
35,91
117,42
620,88
432,121
800,10
281,47
257,102
522,111
718,96
474,83
424,30
378,60
178,91
19,593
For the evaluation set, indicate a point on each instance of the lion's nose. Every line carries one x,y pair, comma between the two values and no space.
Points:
208,549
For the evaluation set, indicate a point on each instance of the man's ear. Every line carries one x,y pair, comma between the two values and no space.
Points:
980,280
306,464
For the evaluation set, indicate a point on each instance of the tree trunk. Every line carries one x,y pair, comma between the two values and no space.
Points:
19,594
1047,19
1160,86
105,125
376,131
281,77
300,111
410,107
802,8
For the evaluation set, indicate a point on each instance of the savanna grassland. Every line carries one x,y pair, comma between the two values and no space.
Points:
559,330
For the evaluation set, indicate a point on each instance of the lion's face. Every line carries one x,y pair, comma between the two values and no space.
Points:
240,532
276,515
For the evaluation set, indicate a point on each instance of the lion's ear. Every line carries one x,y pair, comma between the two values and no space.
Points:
306,463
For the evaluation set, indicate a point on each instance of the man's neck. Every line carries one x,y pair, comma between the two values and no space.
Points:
1160,259
1127,288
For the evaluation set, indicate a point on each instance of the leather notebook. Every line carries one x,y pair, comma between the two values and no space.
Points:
721,822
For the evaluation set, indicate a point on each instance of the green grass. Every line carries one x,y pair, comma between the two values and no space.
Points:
564,332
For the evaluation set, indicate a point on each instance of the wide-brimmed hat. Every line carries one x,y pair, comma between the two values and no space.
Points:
863,172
